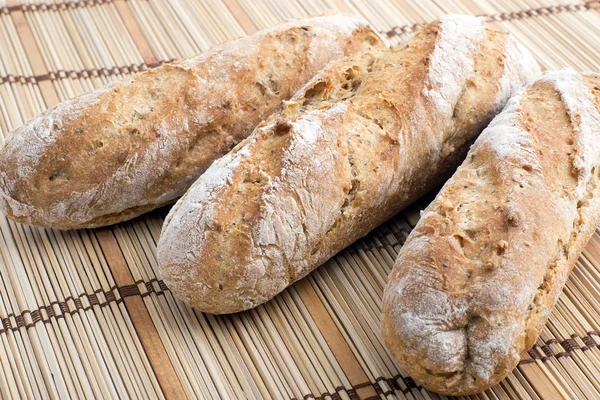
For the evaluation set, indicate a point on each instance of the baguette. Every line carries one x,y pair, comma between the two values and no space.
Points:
138,144
477,278
367,136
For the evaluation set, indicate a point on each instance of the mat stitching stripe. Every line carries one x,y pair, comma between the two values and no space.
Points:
396,31
512,16
53,6
87,73
84,302
505,16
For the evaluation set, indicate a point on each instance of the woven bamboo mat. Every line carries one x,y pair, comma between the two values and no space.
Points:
84,313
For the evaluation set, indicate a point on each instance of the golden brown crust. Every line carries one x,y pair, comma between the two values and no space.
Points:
364,138
477,278
140,143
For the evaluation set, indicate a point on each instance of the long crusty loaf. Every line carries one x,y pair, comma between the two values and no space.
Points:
138,144
363,139
477,278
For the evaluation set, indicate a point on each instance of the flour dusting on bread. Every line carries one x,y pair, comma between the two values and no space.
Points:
518,62
133,145
357,143
199,204
586,122
451,63
478,276
506,137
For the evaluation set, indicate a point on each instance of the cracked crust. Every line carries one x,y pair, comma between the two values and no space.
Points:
137,144
477,278
367,136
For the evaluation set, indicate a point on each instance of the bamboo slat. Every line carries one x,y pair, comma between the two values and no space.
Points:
85,313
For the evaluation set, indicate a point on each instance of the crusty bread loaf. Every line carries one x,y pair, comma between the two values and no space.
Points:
138,144
477,278
367,136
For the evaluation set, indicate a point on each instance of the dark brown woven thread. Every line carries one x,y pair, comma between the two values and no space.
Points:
362,385
396,31
335,395
58,309
351,392
410,383
393,383
589,343
511,16
570,345
87,73
402,30
53,6
542,11
16,78
547,350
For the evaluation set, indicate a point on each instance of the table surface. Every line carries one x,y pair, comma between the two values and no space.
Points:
84,313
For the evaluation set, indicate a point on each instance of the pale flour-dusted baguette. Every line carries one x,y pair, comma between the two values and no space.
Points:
138,144
477,278
367,136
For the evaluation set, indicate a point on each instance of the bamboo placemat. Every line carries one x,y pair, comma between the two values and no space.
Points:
84,313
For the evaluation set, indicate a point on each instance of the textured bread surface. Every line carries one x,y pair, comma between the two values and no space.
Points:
367,136
138,144
477,278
